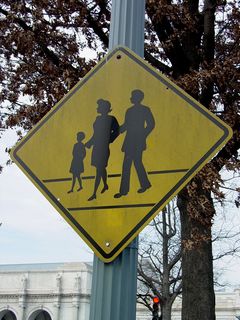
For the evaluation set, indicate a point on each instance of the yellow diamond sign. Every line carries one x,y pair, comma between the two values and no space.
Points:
117,148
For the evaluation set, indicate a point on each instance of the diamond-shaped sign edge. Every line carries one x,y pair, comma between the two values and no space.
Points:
227,133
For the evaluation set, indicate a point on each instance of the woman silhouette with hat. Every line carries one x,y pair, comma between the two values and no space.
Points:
105,131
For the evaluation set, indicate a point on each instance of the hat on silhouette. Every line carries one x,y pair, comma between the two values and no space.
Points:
104,106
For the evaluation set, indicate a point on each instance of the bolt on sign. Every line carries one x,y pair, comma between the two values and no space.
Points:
117,148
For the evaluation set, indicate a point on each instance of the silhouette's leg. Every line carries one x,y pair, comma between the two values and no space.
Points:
142,174
125,180
80,183
104,178
96,184
97,180
73,184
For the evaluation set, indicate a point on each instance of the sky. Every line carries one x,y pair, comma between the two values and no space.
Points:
32,231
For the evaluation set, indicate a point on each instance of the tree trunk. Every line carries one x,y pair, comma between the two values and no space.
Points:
166,311
197,261
166,306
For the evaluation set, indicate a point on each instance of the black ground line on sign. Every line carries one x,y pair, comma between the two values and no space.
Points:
117,175
141,205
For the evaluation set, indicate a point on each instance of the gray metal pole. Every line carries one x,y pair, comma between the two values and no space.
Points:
127,25
114,285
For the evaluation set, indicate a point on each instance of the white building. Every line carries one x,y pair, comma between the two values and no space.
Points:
45,291
59,291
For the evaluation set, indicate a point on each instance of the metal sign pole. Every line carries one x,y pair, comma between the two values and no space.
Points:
114,285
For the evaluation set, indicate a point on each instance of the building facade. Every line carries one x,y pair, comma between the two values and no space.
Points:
45,291
59,291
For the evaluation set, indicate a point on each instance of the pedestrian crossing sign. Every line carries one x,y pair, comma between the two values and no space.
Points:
117,148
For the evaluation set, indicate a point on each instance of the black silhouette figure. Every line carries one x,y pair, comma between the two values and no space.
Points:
77,167
105,131
138,124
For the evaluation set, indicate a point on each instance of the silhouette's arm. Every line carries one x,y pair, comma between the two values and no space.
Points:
114,130
74,150
83,152
90,142
150,123
123,127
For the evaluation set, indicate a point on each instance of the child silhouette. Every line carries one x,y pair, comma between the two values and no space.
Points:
77,167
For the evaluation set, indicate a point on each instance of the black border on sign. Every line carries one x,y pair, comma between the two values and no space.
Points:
167,196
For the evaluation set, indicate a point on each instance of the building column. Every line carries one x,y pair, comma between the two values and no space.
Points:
84,307
76,297
57,296
23,297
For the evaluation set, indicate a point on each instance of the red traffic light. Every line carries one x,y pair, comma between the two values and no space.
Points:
156,300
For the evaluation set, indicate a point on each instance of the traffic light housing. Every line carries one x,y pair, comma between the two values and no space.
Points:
155,308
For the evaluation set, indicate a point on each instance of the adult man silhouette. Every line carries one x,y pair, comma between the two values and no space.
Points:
138,124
